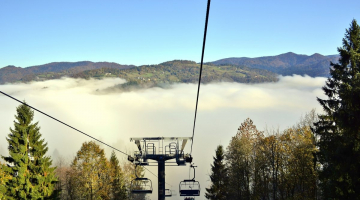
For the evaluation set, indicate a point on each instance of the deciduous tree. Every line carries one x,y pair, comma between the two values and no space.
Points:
240,160
90,174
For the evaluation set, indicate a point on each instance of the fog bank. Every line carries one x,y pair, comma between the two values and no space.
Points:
115,117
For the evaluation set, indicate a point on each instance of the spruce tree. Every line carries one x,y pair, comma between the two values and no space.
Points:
33,178
339,127
218,177
118,189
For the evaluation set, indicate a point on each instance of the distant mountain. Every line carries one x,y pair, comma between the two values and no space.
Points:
180,71
286,64
13,74
244,70
176,71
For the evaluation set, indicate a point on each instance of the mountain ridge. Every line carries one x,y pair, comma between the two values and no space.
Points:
12,73
286,64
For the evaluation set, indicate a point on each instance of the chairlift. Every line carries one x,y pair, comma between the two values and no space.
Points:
168,193
141,185
190,187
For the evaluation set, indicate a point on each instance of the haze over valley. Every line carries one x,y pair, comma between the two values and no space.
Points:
114,116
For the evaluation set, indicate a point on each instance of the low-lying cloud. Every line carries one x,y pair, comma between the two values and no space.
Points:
115,117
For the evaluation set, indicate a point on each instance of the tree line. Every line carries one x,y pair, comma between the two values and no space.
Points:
267,164
319,158
30,174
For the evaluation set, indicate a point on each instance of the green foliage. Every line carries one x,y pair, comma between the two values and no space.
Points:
218,177
118,188
4,178
339,128
33,178
90,174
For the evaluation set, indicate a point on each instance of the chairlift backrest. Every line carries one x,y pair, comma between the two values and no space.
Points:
141,186
171,148
189,188
150,148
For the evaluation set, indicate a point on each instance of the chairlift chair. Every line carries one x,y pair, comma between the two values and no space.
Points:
168,193
141,186
189,187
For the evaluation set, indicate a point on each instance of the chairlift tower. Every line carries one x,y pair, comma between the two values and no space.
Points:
160,149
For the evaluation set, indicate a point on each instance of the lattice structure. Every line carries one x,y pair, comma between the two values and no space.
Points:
161,149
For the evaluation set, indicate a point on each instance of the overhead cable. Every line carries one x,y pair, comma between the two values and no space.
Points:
68,126
201,65
63,123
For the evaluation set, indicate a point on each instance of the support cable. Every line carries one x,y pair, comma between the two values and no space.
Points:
155,174
201,65
70,127
63,123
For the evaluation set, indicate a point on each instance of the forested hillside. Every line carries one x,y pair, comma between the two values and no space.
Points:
287,63
176,71
181,72
243,70
10,74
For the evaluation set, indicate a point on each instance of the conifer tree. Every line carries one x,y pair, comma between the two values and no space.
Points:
118,189
339,127
218,177
33,178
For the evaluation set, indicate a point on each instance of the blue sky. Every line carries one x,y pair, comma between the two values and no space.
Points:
151,32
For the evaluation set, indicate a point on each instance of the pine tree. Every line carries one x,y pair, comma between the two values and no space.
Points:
118,189
339,127
33,178
218,177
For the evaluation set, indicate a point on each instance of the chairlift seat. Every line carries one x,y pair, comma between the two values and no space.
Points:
189,192
141,179
168,193
189,188
141,186
141,191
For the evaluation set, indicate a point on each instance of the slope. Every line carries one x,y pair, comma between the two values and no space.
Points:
286,64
